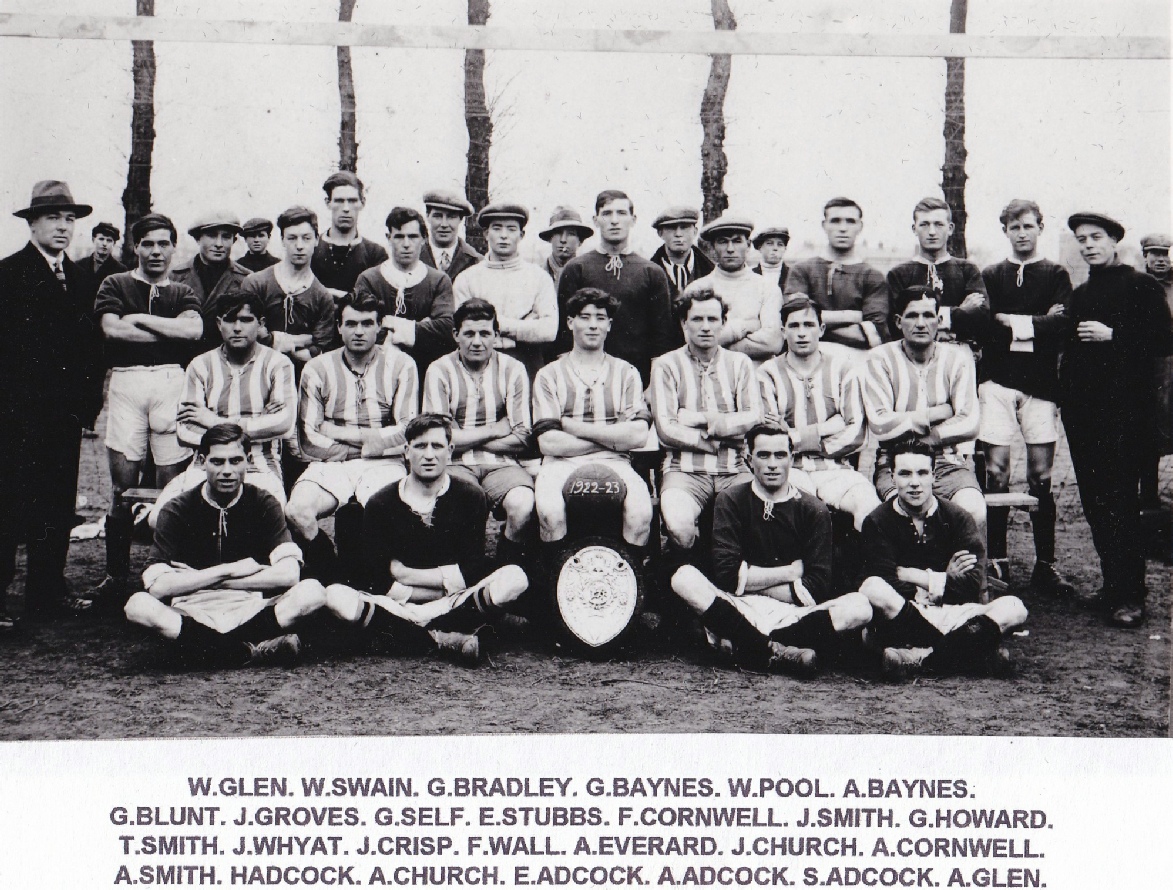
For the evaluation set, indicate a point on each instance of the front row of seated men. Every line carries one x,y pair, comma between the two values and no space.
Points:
767,598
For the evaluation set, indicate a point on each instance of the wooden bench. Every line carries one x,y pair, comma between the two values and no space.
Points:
133,496
1021,500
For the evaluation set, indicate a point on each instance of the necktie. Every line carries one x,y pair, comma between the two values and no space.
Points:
59,271
445,260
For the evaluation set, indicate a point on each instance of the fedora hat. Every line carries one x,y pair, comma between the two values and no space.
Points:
566,218
49,195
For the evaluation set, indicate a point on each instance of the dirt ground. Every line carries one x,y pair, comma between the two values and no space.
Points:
97,678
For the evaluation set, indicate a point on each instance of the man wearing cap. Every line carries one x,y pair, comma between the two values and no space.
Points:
682,261
754,325
343,253
641,326
961,292
102,261
212,272
565,235
446,250
256,233
1120,324
771,244
1156,259
299,311
151,325
852,294
522,293
50,386
416,299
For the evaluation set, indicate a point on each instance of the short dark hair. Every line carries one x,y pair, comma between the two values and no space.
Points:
763,429
295,216
421,423
800,303
401,216
1019,207
606,196
910,295
697,293
364,302
926,205
913,446
475,309
229,304
150,223
342,177
841,201
590,296
223,434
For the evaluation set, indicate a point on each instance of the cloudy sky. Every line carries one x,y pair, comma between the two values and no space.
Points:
254,128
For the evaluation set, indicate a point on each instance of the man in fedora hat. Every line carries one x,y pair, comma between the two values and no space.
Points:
565,235
1120,323
257,232
445,250
522,293
50,387
680,258
343,253
212,272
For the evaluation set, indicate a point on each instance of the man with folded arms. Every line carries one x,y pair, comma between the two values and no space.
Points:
522,293
769,599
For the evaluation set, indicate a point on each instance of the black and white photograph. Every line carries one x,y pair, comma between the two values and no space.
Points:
476,368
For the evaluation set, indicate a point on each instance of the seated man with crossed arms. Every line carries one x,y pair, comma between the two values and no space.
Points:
922,556
222,579
815,394
352,408
424,539
704,398
589,408
770,595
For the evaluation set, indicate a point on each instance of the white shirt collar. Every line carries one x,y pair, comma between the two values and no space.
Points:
899,507
51,260
924,261
138,275
788,494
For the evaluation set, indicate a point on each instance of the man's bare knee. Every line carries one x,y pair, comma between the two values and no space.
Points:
850,611
1008,611
302,516
141,608
882,597
303,599
519,506
972,502
694,588
345,602
507,584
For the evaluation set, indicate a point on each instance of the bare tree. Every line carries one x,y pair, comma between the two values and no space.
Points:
953,171
479,122
136,197
347,134
714,163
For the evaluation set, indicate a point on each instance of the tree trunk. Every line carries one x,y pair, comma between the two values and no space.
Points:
136,197
714,163
953,172
347,134
479,122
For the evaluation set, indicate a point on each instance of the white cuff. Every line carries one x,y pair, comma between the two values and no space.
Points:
802,594
937,584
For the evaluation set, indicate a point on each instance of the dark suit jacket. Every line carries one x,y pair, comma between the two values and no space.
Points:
51,368
463,257
232,278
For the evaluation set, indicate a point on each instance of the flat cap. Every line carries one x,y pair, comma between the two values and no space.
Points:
257,224
1088,217
677,216
1156,241
104,228
447,200
729,223
566,218
215,219
502,210
772,232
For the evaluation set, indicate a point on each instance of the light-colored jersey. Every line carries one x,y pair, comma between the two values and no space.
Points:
259,396
805,403
725,384
477,400
384,397
614,397
893,387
